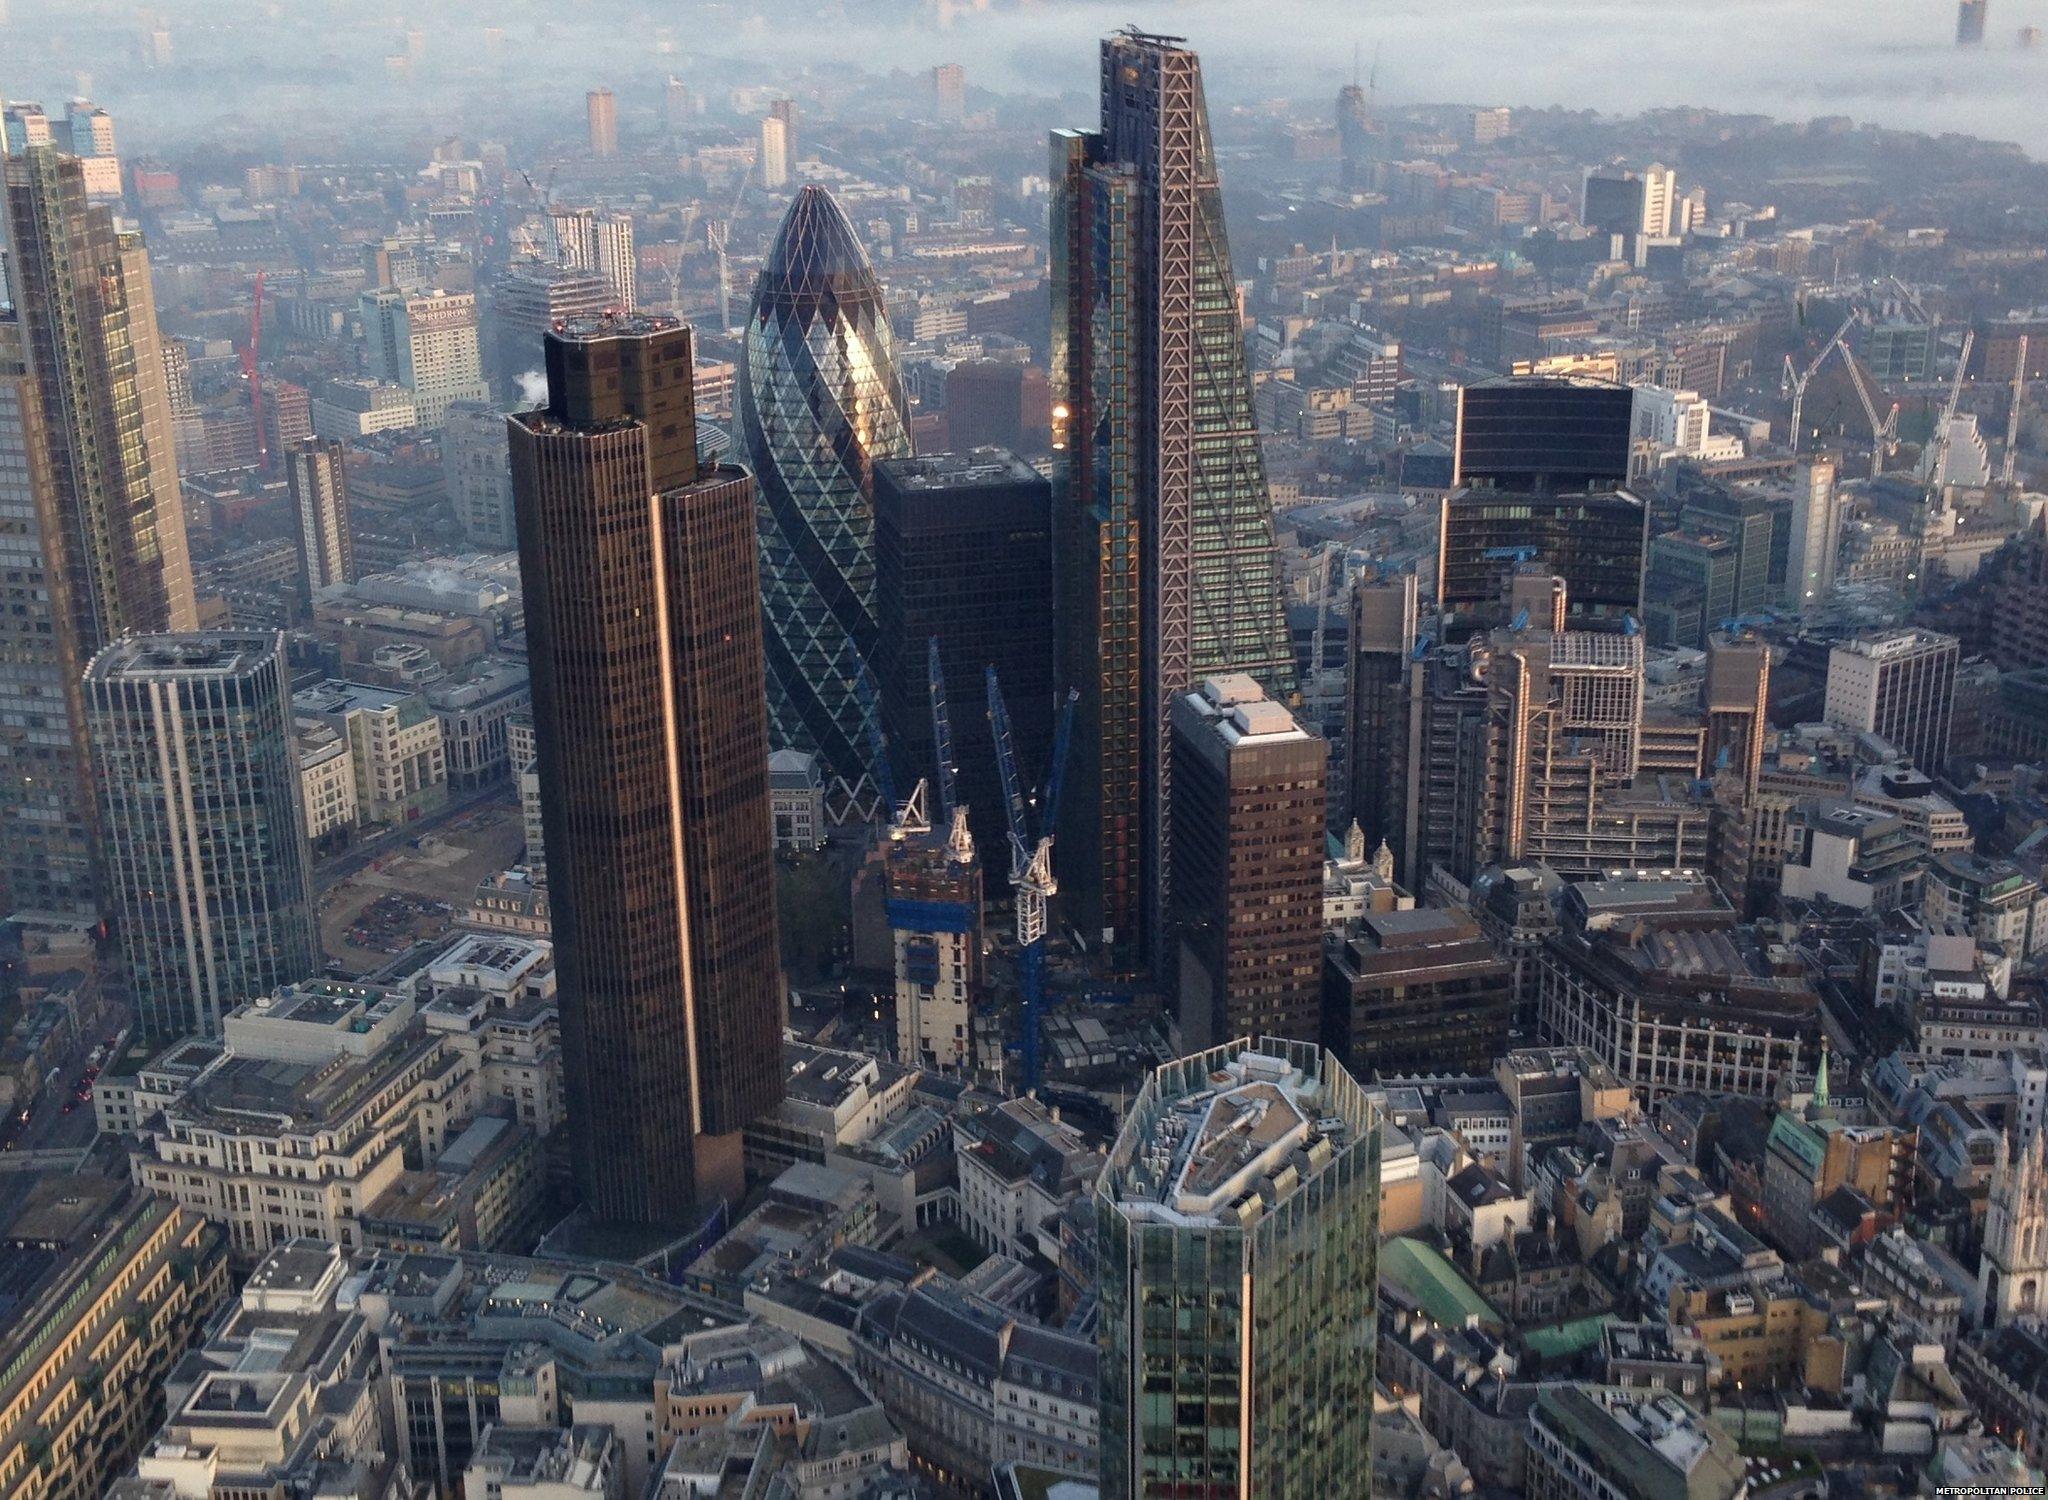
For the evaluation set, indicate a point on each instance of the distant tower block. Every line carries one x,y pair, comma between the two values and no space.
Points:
949,91
1970,18
601,110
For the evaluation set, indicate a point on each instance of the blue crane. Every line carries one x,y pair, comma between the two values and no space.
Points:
942,727
1031,876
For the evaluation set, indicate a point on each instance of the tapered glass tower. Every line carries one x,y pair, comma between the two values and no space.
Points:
1165,527
818,403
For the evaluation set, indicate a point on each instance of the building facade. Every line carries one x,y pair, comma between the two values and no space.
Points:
319,488
94,545
1167,566
205,843
652,740
1899,685
1237,1223
818,404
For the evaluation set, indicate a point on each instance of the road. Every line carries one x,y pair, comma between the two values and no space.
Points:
49,1127
358,857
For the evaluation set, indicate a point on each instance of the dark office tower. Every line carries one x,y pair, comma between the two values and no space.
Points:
1594,540
963,552
1236,1225
1384,614
818,404
1970,18
1738,688
1543,432
1164,525
1248,831
644,638
93,541
1749,519
204,836
985,402
319,486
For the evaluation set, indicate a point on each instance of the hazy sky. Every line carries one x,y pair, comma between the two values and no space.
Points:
1889,61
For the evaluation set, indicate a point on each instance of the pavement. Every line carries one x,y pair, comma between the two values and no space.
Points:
418,887
351,861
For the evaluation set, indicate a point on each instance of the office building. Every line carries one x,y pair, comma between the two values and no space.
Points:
1417,991
949,92
818,405
319,488
347,409
1971,16
1899,685
601,118
1752,521
1241,1200
1543,432
477,469
1358,136
425,342
963,555
102,1277
934,908
775,153
1597,541
1590,1442
1632,206
1247,856
395,745
94,547
1384,617
584,239
204,838
998,404
1162,450
1815,535
658,838
529,299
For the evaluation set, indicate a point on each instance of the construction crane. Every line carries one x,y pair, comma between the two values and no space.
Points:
1937,447
2012,415
942,726
878,745
1031,876
1319,579
1884,435
1795,380
254,375
719,233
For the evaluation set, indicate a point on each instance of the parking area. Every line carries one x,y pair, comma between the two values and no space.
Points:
416,892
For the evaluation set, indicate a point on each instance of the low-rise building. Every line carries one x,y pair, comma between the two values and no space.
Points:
1597,1443
545,1463
327,782
394,742
111,1285
1019,1165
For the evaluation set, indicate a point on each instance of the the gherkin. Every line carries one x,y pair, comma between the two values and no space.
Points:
819,402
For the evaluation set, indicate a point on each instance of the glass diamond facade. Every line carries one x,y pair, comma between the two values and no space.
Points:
819,402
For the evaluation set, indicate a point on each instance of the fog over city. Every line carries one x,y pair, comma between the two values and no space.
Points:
318,65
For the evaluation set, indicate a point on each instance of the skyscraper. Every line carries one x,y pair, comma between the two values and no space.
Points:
1970,18
1237,1219
651,730
963,554
94,541
1247,865
1165,525
1384,626
818,404
203,834
601,116
319,486
1815,543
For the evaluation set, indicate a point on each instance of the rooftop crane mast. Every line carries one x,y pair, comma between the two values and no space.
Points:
719,232
1031,875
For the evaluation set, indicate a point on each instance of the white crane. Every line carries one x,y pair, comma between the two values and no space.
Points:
1795,380
719,233
1937,446
1884,435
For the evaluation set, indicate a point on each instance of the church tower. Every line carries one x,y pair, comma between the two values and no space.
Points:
2012,1277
